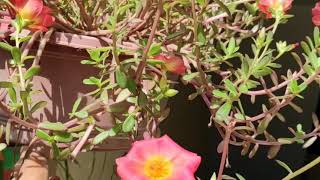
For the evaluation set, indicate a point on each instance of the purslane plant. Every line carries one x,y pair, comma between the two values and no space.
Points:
197,40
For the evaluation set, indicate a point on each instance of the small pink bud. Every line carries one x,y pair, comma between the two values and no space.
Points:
172,63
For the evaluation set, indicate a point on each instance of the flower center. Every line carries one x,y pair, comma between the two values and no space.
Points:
158,168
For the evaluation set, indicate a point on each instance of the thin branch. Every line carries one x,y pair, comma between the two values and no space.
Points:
143,24
96,8
214,18
82,142
284,102
42,45
62,22
27,46
15,119
197,50
142,64
225,151
303,169
275,88
84,14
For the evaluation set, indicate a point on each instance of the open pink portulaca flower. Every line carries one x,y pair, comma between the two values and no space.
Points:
269,6
35,13
316,14
172,63
158,159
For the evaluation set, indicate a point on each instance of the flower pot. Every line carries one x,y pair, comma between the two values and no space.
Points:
60,81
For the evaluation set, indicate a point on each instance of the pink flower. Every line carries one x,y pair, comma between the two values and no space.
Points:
35,13
316,14
172,63
158,159
267,6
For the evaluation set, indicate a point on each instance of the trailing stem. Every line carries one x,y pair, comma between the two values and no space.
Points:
226,141
303,169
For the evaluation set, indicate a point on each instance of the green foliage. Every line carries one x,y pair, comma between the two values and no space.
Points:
105,134
52,126
129,124
121,78
130,88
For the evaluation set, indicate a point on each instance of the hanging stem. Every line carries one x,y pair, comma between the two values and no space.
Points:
303,169
225,151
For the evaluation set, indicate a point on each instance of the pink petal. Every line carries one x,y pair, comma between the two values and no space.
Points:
168,148
266,5
175,65
316,10
178,175
265,9
34,7
161,57
48,21
188,160
180,157
316,20
184,162
286,5
19,3
142,150
129,169
172,63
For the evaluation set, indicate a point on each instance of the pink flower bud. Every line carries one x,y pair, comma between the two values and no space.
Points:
172,63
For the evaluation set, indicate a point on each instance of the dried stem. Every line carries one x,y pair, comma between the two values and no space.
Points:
84,15
96,8
83,140
214,18
15,119
27,46
42,45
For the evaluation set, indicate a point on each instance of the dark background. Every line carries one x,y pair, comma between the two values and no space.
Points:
188,122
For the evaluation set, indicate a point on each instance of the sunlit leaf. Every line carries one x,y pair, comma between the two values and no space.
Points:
284,165
128,124
55,126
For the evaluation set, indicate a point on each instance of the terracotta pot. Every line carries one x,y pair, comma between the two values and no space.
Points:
60,81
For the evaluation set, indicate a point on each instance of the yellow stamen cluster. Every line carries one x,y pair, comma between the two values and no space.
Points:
158,168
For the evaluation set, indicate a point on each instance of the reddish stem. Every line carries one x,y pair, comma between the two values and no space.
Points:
150,40
279,86
224,152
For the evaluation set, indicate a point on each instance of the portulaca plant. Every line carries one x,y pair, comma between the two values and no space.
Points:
198,41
